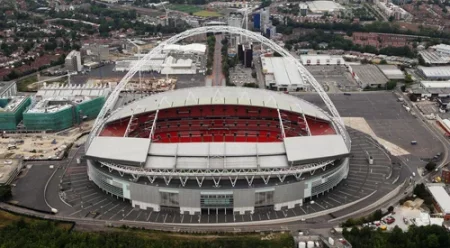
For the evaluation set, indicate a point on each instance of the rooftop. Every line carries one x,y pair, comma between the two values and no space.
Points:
433,57
190,48
230,155
284,71
56,104
57,90
438,71
324,6
4,85
11,104
391,71
369,74
221,95
440,195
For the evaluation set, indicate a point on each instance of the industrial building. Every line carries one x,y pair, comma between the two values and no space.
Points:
95,52
431,89
441,198
282,75
435,73
11,111
431,57
389,9
368,76
322,7
60,107
322,59
392,72
8,89
73,61
174,60
194,48
272,151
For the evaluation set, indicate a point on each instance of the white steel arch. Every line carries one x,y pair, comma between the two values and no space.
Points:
112,99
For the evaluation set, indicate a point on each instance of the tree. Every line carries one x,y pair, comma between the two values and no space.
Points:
383,62
403,88
5,192
391,18
390,209
430,166
253,74
378,214
391,85
408,78
413,98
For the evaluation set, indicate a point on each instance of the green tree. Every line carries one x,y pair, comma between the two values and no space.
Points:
430,166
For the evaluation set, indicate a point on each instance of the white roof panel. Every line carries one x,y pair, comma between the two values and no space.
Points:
131,150
441,196
160,162
273,162
246,96
306,148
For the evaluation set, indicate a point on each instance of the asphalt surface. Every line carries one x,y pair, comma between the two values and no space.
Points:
389,120
217,75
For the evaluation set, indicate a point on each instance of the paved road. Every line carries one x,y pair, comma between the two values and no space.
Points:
217,75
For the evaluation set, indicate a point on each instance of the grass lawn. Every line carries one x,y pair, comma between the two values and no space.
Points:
185,8
23,84
7,218
206,13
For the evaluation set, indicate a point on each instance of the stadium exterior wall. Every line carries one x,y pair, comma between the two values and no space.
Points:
193,200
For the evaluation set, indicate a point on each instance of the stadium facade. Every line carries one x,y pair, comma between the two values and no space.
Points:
218,149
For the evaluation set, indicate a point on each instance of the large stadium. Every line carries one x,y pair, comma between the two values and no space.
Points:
218,149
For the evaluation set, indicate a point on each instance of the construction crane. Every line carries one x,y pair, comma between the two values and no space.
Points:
139,57
166,10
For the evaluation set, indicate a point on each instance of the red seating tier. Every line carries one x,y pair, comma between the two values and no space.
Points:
218,123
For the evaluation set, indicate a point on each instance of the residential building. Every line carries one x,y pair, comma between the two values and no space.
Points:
73,61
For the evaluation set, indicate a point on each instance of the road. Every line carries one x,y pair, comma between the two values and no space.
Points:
259,73
217,75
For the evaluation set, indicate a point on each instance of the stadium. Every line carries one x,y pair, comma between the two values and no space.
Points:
218,149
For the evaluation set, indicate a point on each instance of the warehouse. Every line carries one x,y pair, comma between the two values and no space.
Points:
392,72
435,73
322,59
282,75
368,76
441,199
322,7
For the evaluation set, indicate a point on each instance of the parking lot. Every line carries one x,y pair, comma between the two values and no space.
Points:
241,75
387,118
335,77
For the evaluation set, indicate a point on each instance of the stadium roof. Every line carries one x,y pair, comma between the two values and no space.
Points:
119,149
285,72
311,148
217,155
435,72
441,196
391,71
217,96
